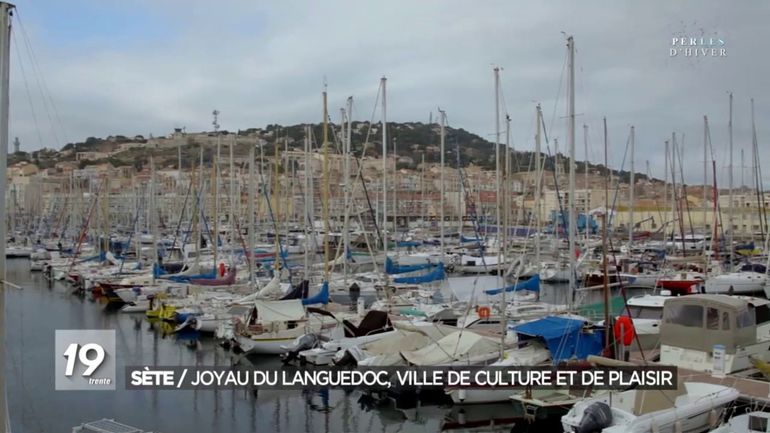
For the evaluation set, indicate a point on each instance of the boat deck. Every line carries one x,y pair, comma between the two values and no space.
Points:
751,389
106,426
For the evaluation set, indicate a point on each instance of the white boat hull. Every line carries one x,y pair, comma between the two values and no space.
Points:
741,283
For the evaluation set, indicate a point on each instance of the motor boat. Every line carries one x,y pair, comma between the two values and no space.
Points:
692,407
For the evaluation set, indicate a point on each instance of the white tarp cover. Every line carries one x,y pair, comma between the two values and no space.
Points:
271,289
433,331
111,258
458,346
279,311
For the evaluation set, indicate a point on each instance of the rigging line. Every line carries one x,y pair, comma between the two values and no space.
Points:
42,77
359,173
558,94
36,73
684,187
26,87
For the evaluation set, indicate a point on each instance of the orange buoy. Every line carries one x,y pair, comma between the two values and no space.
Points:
221,269
624,330
484,312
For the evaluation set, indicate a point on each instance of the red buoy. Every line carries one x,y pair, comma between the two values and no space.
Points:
221,269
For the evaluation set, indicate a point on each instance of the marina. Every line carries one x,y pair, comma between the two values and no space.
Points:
343,273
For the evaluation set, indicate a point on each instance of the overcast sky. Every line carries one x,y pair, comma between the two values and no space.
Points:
144,67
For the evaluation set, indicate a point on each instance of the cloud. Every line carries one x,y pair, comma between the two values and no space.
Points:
146,67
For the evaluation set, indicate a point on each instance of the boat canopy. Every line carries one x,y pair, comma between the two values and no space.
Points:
457,346
532,285
322,297
280,311
565,337
393,268
699,322
435,275
374,322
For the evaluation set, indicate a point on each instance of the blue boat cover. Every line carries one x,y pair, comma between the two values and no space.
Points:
532,284
99,257
157,271
564,337
321,297
407,244
186,278
392,268
434,275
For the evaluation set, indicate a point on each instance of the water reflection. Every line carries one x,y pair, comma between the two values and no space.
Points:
34,313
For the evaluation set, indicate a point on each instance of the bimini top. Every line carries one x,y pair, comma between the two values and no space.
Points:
699,322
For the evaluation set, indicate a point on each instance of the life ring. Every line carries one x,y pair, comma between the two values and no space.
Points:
221,269
484,312
624,330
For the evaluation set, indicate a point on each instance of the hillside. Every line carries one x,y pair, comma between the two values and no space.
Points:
412,141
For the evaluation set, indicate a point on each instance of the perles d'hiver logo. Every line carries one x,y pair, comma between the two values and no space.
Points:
697,47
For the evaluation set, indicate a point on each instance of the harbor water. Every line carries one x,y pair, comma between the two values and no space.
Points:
36,310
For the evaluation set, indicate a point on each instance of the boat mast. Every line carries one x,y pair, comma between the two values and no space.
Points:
705,178
395,190
675,205
276,219
308,203
665,195
422,187
346,230
442,115
730,213
585,182
383,86
605,262
252,192
325,190
153,214
497,174
631,193
199,212
215,185
5,47
571,138
538,182
506,209
756,174
232,212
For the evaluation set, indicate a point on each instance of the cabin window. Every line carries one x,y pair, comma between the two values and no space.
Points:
762,313
712,318
757,423
644,312
684,315
725,321
745,318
